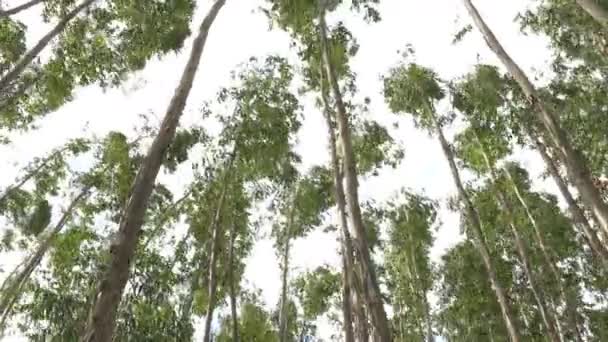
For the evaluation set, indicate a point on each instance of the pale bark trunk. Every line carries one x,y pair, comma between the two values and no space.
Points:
578,215
23,63
102,321
217,233
507,207
283,317
373,297
549,260
597,11
347,267
19,8
235,321
576,166
12,285
479,239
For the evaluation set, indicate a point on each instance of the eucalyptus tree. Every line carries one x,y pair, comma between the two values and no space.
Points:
56,298
408,268
298,17
96,41
596,9
549,125
16,9
465,309
122,250
416,90
254,322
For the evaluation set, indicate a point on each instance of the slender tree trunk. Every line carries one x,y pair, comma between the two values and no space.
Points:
548,259
217,233
235,320
373,297
479,239
576,166
23,63
347,267
13,284
578,215
507,207
102,320
283,314
19,8
597,11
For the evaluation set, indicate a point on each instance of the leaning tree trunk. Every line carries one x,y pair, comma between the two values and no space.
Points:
373,296
578,215
100,327
548,259
17,9
478,238
576,166
347,267
283,319
549,320
13,284
235,321
23,63
597,11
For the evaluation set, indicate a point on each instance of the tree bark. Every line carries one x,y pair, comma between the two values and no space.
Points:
235,321
12,285
19,8
597,11
549,319
478,238
283,319
549,261
576,166
23,63
373,296
578,215
102,321
347,267
216,228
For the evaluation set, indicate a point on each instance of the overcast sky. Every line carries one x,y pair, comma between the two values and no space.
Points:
241,31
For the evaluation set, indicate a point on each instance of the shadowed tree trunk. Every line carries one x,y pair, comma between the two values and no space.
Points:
472,217
372,291
283,319
346,248
549,319
235,321
19,8
25,61
100,327
575,164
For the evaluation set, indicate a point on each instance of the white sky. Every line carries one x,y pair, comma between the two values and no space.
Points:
241,31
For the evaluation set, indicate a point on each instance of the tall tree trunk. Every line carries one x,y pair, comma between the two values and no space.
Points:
373,296
549,319
578,215
576,166
548,259
217,232
13,284
23,63
478,238
597,11
235,320
102,319
283,314
19,8
347,267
